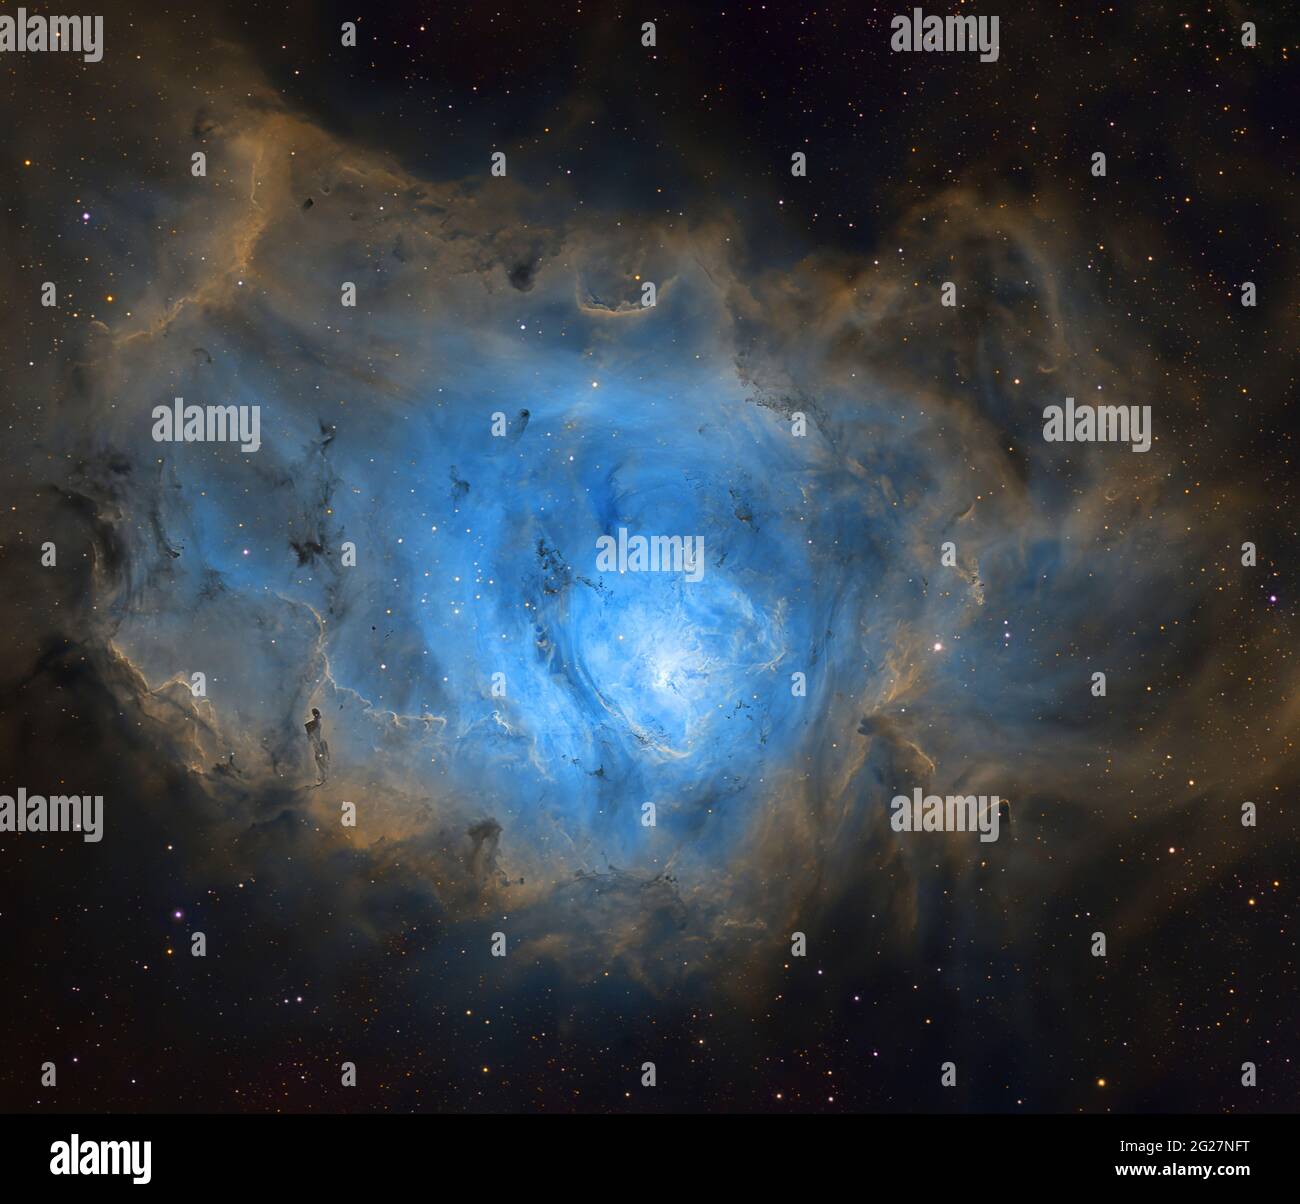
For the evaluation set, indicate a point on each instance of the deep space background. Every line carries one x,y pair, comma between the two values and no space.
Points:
476,555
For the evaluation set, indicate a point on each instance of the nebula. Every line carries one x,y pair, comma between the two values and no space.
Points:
648,774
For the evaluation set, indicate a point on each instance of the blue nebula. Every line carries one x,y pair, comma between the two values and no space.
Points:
476,650
612,690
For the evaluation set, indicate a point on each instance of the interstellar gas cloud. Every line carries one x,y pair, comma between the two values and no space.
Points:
592,561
